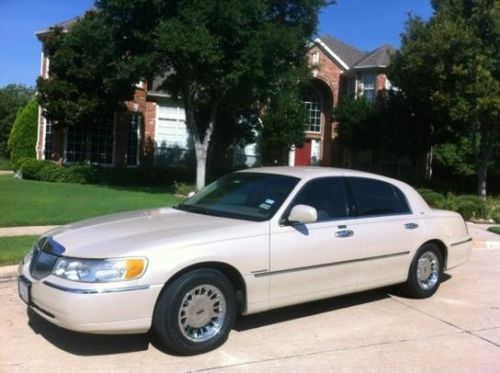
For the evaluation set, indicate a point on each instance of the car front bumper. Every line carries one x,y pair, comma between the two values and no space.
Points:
92,308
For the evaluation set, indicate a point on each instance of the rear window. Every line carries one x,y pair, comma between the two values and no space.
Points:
375,197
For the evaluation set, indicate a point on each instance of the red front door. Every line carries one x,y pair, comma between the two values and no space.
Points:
303,154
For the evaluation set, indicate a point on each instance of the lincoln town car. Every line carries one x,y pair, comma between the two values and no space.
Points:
252,241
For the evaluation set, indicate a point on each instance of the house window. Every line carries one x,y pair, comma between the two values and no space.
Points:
101,144
133,140
171,128
315,59
75,145
368,81
312,102
94,145
48,141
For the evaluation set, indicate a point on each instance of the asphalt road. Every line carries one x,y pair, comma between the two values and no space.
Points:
457,330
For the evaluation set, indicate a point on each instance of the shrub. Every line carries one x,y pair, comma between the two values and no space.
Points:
22,138
184,188
434,199
5,164
468,206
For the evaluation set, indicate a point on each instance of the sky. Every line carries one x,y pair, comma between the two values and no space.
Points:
364,24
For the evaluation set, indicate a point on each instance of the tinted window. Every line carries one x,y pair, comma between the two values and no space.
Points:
375,197
326,195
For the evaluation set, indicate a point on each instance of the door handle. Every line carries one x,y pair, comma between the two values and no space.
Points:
344,233
411,225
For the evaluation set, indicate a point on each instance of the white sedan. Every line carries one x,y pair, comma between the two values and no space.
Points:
251,241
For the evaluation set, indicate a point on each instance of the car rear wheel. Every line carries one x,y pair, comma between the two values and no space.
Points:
426,272
196,312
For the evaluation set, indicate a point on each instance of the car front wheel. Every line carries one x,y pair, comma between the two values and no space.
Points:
425,272
196,312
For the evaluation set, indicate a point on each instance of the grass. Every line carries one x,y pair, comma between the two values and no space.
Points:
494,229
12,249
28,202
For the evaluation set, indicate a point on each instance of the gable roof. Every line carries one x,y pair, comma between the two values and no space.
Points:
380,57
346,53
65,25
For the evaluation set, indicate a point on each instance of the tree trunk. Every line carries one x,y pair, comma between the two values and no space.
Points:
201,151
428,164
482,173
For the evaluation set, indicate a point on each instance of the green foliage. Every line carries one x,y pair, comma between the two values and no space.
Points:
23,135
495,229
456,156
12,98
5,164
283,121
44,170
183,189
449,71
434,199
469,206
358,123
89,79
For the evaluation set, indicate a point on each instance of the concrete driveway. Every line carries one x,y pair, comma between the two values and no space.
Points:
456,330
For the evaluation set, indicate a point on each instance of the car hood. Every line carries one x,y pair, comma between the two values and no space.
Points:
134,233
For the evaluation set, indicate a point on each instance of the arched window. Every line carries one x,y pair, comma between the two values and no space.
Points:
312,102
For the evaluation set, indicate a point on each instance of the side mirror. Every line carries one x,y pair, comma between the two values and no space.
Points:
303,214
190,194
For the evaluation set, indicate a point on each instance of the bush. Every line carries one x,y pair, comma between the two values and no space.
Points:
5,164
433,199
22,138
184,188
48,171
468,206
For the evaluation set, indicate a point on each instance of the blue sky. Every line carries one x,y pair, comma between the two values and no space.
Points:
365,24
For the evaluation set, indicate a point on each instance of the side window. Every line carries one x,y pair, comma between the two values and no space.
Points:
327,196
375,197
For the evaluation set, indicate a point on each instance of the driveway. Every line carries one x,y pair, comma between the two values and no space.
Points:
456,330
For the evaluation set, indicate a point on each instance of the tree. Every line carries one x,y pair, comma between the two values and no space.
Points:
12,98
449,70
214,53
22,139
88,82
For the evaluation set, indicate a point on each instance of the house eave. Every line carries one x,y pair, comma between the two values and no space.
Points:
331,53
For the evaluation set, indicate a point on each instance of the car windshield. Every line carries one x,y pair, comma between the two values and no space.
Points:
242,195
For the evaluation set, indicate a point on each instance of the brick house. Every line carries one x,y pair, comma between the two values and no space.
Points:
339,70
153,131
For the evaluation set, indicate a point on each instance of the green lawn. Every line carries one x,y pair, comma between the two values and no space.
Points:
28,202
12,249
494,229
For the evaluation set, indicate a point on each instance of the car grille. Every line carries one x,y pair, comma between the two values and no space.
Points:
41,263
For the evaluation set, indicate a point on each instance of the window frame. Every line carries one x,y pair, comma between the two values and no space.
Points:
311,97
350,202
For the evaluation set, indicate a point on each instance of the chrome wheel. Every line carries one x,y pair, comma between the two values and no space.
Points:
202,313
428,270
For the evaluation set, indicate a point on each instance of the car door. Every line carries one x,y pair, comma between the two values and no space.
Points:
387,229
315,260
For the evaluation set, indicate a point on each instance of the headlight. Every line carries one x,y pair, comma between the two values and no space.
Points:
99,270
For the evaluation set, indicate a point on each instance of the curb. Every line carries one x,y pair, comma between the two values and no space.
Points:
489,245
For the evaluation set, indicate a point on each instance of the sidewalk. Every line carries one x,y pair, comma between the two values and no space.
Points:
25,231
482,237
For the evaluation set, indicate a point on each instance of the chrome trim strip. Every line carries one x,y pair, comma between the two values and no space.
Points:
461,242
299,269
95,291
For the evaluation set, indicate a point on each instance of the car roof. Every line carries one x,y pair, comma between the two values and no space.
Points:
308,172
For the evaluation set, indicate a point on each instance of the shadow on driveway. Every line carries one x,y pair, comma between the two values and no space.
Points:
94,344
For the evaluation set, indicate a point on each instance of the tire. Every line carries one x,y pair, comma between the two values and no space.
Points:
196,312
426,272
